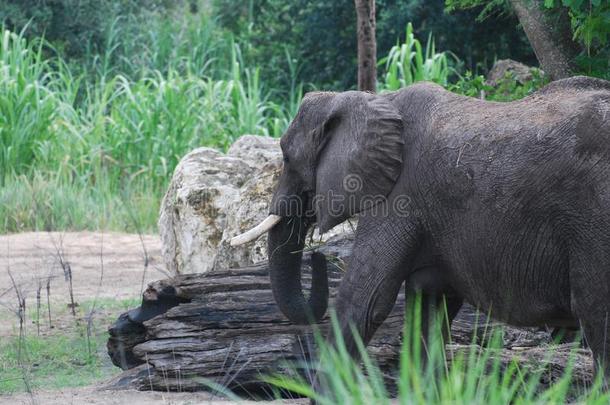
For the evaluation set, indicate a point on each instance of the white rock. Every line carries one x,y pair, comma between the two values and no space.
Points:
213,197
193,214
256,150
247,211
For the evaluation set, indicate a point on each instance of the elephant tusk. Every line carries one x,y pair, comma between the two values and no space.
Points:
257,231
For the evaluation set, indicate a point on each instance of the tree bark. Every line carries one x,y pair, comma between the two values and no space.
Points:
367,45
550,35
225,327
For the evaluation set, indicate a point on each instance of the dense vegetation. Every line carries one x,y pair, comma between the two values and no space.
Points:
589,20
84,149
95,116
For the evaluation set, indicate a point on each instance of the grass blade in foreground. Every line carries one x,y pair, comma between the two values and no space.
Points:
471,375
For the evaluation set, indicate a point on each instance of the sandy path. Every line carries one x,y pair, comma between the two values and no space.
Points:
93,396
35,257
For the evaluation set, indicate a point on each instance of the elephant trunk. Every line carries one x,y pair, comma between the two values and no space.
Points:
285,243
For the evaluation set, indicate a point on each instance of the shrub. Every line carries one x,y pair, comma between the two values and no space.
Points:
507,89
408,63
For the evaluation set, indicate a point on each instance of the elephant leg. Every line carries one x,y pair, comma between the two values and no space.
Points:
376,270
439,302
590,285
368,291
436,315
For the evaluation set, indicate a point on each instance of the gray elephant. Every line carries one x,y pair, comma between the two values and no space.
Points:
502,205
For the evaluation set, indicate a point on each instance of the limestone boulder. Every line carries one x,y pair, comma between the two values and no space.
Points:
213,197
193,211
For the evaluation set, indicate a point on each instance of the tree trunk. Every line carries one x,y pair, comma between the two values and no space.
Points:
225,327
550,35
367,45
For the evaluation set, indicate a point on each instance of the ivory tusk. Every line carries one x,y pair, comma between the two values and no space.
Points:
257,231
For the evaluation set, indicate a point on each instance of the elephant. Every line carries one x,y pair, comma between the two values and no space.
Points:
504,205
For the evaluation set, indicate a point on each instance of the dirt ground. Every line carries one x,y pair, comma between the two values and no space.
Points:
109,266
104,266
92,395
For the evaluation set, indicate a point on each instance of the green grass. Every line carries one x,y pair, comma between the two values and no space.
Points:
43,203
80,150
51,362
426,376
63,357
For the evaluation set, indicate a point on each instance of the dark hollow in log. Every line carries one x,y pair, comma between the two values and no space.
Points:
225,327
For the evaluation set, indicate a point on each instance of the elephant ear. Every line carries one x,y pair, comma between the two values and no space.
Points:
361,159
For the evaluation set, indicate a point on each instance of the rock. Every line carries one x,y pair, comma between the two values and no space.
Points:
503,67
256,150
193,214
247,211
213,197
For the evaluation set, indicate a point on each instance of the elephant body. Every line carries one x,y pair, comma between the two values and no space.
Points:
509,194
502,205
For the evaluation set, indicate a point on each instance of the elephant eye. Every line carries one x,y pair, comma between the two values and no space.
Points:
285,159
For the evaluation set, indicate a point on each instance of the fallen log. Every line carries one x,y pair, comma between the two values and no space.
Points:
225,327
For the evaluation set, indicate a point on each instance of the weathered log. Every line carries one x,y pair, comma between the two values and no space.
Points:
225,327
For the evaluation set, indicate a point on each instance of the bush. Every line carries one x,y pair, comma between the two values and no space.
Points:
408,63
507,89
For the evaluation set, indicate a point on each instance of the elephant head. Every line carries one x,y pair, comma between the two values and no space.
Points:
342,152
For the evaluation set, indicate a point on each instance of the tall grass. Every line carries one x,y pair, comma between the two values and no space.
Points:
409,62
80,147
426,375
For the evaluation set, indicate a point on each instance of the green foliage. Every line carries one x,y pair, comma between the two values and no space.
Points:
99,153
472,376
507,89
470,85
487,7
590,19
182,42
590,26
75,26
408,63
312,33
26,105
321,36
